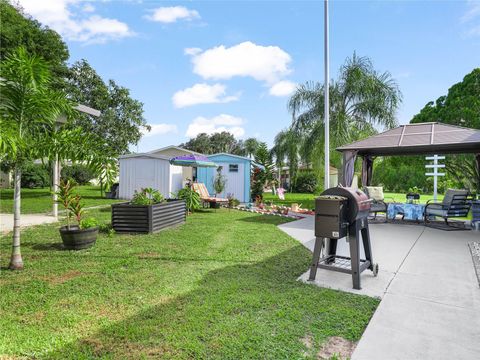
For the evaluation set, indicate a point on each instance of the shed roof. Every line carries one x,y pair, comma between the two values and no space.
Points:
231,155
173,147
417,139
144,155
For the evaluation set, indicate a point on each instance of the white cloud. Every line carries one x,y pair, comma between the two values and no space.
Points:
160,129
65,17
471,19
283,88
472,12
219,123
88,8
192,51
202,94
171,14
263,63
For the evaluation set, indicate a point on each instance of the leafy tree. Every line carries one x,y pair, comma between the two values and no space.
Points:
35,175
215,143
18,29
80,173
461,107
29,108
306,182
200,143
360,99
224,142
121,121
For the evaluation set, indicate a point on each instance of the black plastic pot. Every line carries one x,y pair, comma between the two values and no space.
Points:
78,239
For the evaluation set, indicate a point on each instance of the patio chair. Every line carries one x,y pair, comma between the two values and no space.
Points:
456,203
378,204
205,197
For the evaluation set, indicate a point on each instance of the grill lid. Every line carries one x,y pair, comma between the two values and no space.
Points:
358,202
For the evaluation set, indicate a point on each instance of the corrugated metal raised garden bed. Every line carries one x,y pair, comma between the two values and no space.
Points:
129,218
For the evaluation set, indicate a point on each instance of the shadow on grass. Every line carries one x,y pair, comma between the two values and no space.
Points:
244,311
46,247
266,219
26,194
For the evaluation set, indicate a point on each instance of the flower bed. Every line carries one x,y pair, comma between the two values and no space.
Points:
274,212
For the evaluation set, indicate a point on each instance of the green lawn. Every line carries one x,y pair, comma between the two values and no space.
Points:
40,200
308,200
222,286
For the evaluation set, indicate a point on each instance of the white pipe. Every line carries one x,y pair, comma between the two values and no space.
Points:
327,102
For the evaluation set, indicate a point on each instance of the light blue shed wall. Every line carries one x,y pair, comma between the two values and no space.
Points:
206,175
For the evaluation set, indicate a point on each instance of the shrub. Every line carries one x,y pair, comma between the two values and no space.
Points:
88,223
147,196
257,183
306,182
35,176
78,172
191,197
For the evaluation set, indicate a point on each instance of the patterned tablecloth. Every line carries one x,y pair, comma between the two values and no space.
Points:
409,211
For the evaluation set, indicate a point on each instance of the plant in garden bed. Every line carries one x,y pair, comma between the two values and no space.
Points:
191,197
84,234
147,196
232,202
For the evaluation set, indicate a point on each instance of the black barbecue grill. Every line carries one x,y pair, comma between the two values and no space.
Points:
342,212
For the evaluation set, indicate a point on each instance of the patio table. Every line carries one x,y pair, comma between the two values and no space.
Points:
409,211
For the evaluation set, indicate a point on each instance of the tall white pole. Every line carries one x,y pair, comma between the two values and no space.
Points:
435,178
327,101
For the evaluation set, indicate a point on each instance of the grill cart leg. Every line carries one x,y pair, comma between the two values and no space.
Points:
332,250
366,244
316,257
353,233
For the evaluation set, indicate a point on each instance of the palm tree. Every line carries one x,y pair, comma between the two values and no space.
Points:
288,146
360,99
251,146
28,109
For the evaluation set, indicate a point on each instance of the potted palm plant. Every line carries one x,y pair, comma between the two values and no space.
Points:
83,235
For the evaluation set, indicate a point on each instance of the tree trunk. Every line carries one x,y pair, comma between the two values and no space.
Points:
16,262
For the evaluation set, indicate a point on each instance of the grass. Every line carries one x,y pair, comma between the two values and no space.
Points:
39,201
308,200
222,286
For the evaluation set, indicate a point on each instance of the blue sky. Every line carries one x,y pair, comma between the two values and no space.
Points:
213,65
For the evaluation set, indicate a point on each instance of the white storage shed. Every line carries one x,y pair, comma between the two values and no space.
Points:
144,170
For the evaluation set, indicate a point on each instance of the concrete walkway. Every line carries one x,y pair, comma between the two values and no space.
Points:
430,306
6,221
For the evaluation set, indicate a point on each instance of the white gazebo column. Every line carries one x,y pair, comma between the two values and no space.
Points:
62,119
56,169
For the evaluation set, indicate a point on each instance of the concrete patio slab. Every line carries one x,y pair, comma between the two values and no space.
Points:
6,221
430,306
390,245
408,328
